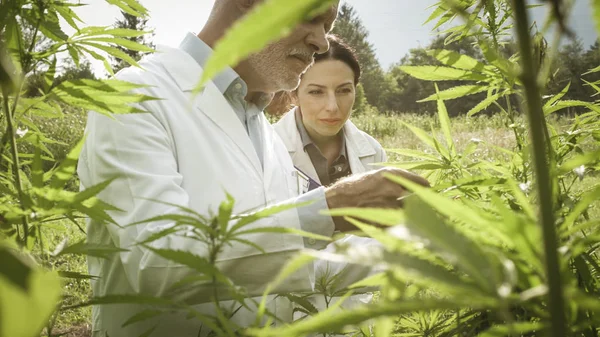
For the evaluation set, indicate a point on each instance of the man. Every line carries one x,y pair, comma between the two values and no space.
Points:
192,150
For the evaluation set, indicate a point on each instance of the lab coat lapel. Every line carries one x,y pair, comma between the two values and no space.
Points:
187,73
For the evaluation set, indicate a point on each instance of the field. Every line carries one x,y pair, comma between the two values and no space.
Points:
490,130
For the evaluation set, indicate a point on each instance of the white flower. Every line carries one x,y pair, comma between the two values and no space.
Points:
22,132
580,172
476,140
525,187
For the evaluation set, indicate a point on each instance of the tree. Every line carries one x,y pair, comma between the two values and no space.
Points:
408,90
349,27
138,23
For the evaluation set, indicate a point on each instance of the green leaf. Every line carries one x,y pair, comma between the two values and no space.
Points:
253,32
132,7
125,43
455,92
454,59
91,249
413,154
586,159
123,299
439,73
514,329
587,199
25,313
67,168
421,134
445,122
557,97
283,230
485,103
76,276
303,302
596,13
225,211
246,219
92,191
388,217
142,316
290,268
14,269
37,172
453,245
330,320
570,104
195,262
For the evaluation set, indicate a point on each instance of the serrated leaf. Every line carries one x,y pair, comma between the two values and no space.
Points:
421,134
14,269
243,220
412,153
123,299
454,59
130,6
587,199
485,103
67,167
142,316
455,92
125,43
454,246
195,262
303,302
557,97
252,33
330,320
388,217
440,73
283,230
445,122
37,172
290,268
91,249
586,159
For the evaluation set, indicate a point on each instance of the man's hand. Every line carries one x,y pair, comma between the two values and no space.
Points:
371,189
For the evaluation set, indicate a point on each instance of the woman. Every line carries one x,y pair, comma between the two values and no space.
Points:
326,146
323,143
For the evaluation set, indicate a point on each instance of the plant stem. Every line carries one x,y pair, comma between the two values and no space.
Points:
10,129
540,156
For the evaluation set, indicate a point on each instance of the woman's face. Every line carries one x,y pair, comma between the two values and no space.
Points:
325,96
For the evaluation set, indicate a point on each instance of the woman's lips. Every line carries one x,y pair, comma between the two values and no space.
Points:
330,121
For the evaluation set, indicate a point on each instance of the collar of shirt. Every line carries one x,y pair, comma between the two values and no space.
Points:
229,83
306,140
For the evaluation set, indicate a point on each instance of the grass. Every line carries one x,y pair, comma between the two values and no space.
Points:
391,133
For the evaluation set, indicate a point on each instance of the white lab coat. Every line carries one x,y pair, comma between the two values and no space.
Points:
363,151
185,152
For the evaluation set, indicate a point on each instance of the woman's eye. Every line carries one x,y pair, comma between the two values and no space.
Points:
346,91
315,92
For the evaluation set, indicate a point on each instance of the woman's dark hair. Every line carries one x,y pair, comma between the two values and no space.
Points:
339,51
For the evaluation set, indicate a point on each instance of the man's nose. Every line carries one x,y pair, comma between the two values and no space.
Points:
317,39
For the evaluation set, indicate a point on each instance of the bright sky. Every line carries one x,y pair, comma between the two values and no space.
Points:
395,26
